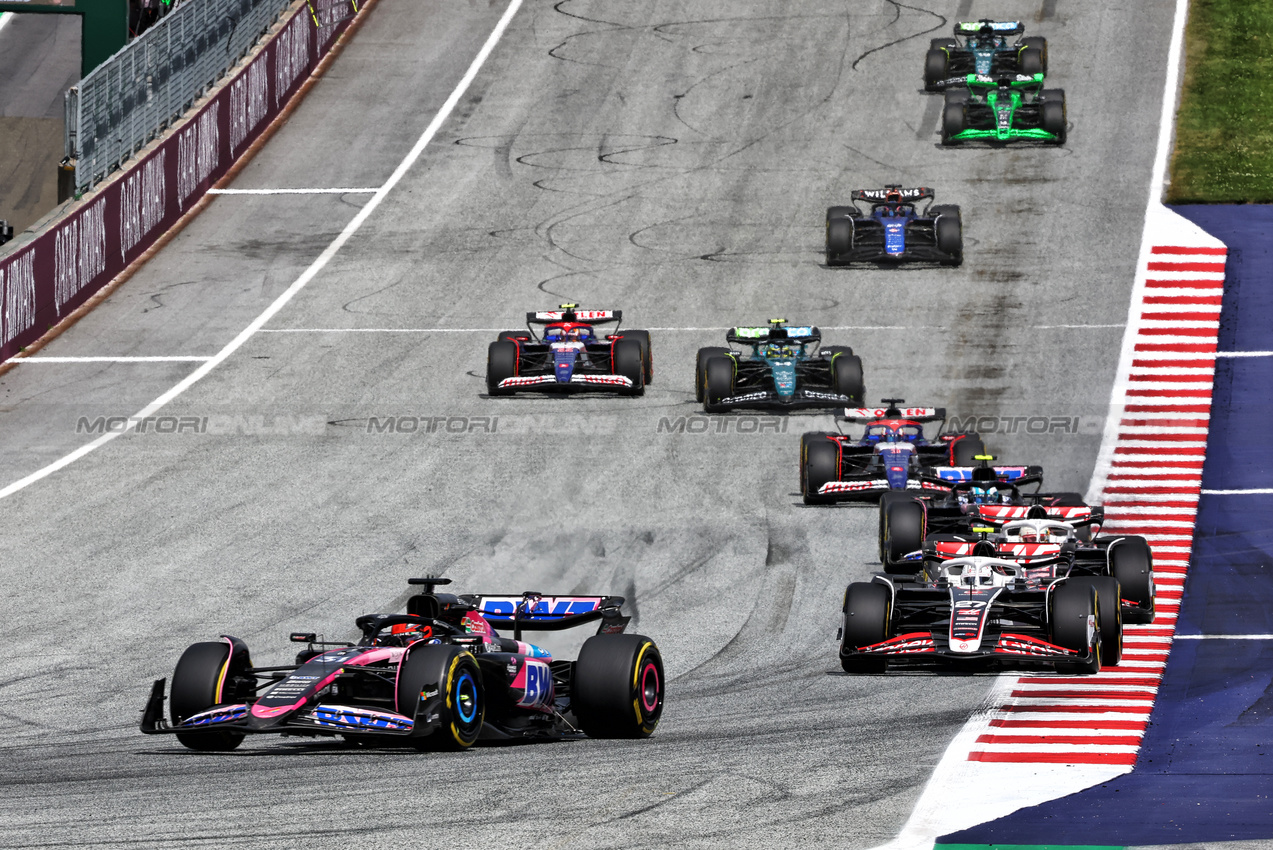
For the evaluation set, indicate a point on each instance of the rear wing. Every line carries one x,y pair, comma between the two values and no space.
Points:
586,317
533,612
1009,474
1076,515
997,27
758,336
915,414
878,196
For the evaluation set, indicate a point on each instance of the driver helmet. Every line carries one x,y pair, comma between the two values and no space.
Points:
576,333
404,634
985,495
1030,534
778,349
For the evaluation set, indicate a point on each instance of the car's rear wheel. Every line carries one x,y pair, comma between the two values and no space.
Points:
700,370
201,681
1132,563
719,383
866,623
846,376
512,335
1109,616
1040,44
966,450
647,356
501,364
903,533
617,689
949,231
936,63
629,364
1052,118
452,673
819,464
1072,606
839,240
1030,61
954,120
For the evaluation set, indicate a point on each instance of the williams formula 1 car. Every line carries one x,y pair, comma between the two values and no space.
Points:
569,355
894,230
786,368
892,454
1004,108
972,613
438,676
982,47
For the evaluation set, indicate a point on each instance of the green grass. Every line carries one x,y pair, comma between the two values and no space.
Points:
1224,130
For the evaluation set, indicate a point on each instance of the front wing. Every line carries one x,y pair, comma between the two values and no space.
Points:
927,648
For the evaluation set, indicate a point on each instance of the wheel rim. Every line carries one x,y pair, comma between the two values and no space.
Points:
651,689
465,698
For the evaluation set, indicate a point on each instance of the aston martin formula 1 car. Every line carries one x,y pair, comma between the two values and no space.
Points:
894,229
983,47
438,676
782,368
1045,548
1004,108
569,355
891,455
972,613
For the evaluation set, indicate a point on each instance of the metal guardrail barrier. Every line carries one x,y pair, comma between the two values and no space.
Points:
131,98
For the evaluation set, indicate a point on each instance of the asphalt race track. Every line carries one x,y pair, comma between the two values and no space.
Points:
670,159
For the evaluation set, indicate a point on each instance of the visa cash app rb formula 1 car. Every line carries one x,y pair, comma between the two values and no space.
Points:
569,355
438,676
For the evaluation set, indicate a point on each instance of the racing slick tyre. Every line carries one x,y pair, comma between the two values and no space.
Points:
1072,605
954,120
886,499
629,363
501,364
1109,615
1040,44
949,232
846,376
617,689
936,63
819,464
1030,61
840,232
452,674
1132,563
1052,118
903,521
965,451
647,358
700,370
199,683
866,623
718,383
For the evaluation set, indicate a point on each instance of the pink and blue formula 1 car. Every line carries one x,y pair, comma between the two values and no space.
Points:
436,677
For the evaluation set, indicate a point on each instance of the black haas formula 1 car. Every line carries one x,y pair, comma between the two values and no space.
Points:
785,368
983,47
569,355
438,676
972,613
894,230
1047,549
891,455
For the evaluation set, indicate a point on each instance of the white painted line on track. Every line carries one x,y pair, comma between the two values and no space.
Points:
309,274
659,330
1259,491
364,191
173,359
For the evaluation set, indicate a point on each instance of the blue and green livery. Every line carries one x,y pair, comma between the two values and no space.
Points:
983,47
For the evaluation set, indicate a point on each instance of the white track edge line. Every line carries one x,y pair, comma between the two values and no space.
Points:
306,276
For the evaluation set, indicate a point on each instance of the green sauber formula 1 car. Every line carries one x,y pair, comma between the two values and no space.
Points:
1004,108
